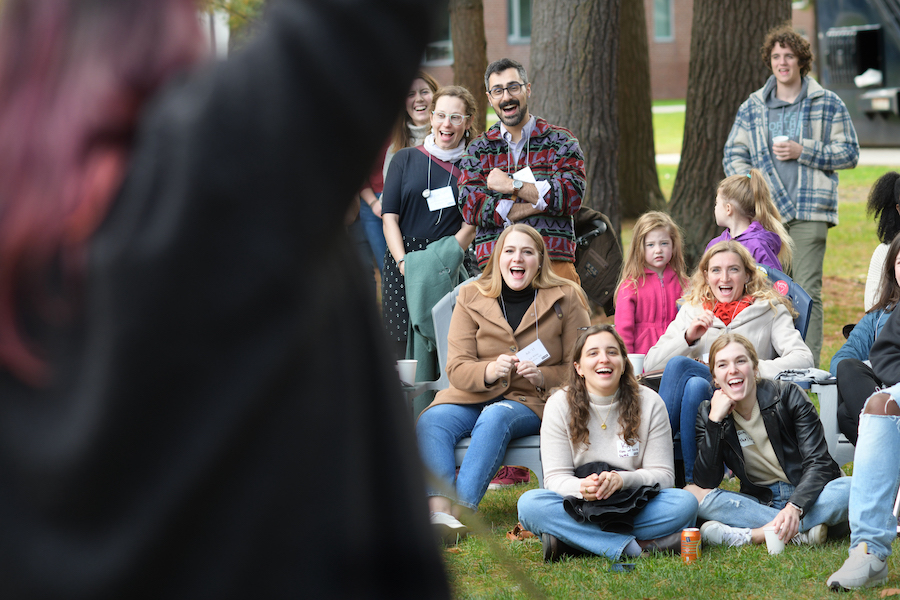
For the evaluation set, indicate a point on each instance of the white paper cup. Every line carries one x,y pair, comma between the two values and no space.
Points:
407,370
780,138
637,361
773,543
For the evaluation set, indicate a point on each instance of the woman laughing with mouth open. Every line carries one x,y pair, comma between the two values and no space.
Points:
509,338
769,434
728,294
606,447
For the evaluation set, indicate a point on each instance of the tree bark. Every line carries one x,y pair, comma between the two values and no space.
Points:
470,51
574,50
638,180
725,69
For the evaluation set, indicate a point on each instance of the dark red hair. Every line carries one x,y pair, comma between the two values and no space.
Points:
74,75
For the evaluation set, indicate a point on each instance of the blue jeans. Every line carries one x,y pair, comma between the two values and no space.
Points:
876,477
741,510
490,424
541,511
374,231
684,385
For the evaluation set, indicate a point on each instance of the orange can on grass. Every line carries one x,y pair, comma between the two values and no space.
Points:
690,545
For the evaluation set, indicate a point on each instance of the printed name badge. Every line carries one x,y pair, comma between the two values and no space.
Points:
525,175
626,451
535,352
744,438
441,198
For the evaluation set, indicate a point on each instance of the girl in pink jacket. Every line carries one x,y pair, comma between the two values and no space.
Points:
653,278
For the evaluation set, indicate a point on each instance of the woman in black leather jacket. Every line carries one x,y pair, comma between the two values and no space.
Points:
770,435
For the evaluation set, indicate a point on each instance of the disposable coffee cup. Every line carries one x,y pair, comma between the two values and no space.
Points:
637,361
773,543
407,370
780,138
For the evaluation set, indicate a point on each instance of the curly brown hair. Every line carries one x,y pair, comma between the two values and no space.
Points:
629,394
785,36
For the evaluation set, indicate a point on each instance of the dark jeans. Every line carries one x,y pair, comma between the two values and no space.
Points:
856,382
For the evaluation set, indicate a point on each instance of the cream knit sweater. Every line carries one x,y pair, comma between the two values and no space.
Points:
651,460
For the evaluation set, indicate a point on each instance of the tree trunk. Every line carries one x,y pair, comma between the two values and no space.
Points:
725,69
638,180
470,51
574,50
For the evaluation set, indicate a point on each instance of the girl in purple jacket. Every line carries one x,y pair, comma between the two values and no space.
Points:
653,278
745,209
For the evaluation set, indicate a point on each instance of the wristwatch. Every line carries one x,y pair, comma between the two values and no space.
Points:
517,185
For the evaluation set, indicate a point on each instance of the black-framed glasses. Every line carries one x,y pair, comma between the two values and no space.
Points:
514,89
455,118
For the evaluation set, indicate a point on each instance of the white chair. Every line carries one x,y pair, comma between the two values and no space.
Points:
839,446
524,451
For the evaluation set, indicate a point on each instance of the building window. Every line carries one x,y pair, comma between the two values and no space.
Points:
439,51
519,21
663,21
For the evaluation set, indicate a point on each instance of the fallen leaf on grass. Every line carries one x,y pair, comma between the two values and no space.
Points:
890,592
454,550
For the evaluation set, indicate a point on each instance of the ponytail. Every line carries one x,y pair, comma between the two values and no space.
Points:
768,216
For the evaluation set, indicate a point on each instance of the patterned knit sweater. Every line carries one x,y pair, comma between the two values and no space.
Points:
554,156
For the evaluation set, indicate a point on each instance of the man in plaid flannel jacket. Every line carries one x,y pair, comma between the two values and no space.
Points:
798,134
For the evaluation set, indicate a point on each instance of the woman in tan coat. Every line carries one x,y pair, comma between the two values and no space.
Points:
509,339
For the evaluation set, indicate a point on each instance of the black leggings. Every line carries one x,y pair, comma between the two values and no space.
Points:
856,382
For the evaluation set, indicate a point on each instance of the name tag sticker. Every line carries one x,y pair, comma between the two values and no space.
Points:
626,451
535,352
744,438
441,198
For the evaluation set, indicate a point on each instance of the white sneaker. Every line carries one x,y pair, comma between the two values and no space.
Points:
861,569
720,534
448,528
813,537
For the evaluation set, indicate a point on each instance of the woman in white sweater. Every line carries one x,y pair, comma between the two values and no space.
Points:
604,416
728,293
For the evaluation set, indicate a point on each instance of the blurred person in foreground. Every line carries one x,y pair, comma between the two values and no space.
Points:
172,405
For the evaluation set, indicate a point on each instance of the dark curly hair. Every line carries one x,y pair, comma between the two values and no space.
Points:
579,402
785,35
883,200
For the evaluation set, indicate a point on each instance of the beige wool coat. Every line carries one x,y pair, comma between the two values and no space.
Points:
479,334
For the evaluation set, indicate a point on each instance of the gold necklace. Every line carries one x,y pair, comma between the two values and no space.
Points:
609,410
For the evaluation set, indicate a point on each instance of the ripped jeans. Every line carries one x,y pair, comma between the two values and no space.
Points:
491,426
741,510
876,476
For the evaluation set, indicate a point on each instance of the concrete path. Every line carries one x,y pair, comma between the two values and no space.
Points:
885,157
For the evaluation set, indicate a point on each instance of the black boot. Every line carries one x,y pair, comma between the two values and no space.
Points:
670,543
555,549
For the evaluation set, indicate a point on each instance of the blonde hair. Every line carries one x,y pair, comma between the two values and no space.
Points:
633,267
749,193
490,283
727,338
757,286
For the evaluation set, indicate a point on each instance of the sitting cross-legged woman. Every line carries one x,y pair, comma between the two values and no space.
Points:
607,424
769,434
509,337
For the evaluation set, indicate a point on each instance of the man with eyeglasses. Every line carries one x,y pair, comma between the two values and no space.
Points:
522,170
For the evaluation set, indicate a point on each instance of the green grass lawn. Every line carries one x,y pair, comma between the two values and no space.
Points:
487,565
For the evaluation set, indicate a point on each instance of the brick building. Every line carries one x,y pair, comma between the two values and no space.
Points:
507,26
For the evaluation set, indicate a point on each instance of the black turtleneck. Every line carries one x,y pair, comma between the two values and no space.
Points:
516,303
